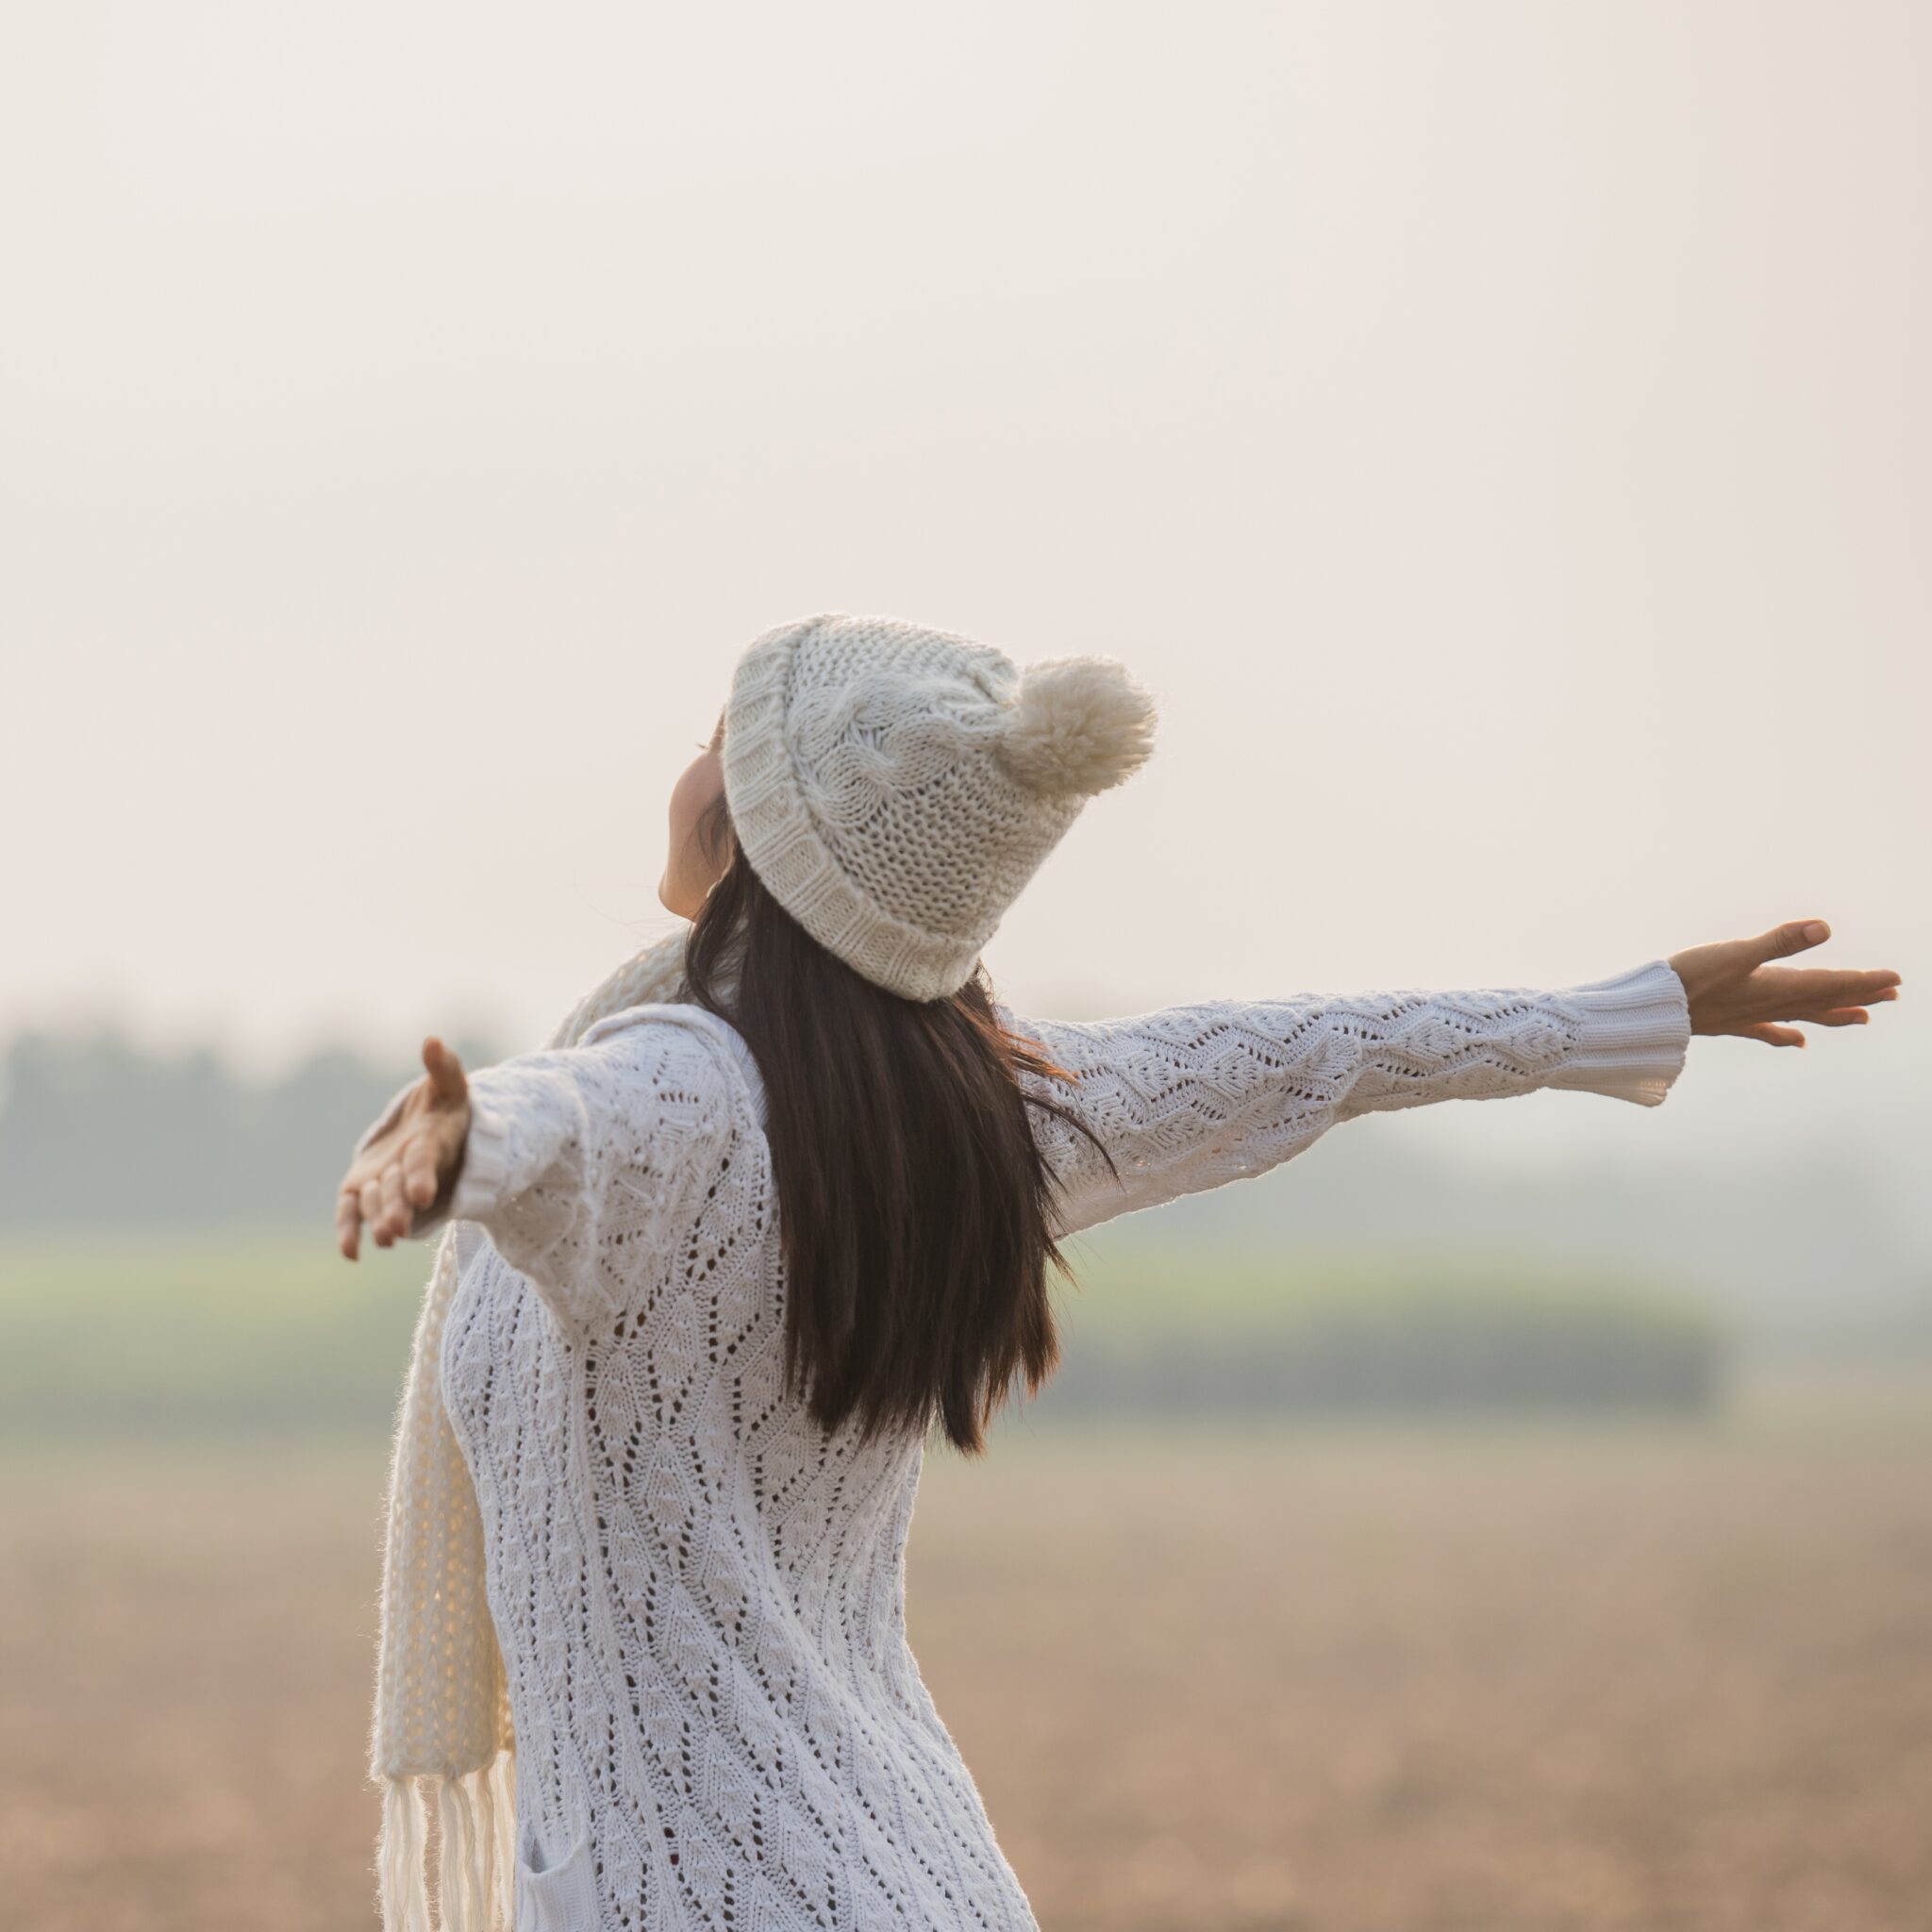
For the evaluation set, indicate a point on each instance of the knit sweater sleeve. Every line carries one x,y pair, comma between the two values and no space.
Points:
580,1160
1190,1097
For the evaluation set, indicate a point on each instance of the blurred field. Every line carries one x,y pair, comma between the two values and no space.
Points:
1492,1678
187,1331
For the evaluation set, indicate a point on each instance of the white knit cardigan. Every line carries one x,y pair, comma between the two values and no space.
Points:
643,1640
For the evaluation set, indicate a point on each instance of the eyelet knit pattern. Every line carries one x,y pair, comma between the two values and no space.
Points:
698,1593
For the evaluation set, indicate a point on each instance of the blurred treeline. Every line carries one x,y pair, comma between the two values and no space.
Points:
167,1263
99,1131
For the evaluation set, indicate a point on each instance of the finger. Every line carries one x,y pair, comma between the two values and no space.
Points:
1773,1035
420,1183
1837,1016
446,1083
395,1210
1795,995
1863,986
1793,936
369,1198
348,1223
1856,989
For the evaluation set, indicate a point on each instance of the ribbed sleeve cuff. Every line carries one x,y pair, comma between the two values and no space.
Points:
1636,1033
480,1182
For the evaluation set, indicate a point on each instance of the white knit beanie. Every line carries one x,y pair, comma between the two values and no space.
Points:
894,788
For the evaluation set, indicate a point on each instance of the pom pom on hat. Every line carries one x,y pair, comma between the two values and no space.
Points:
1077,727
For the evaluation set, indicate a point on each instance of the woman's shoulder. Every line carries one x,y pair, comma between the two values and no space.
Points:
695,1047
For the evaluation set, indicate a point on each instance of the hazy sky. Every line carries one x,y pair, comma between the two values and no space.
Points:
1499,433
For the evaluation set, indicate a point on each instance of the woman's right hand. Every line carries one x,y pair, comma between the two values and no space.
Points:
410,1159
1734,987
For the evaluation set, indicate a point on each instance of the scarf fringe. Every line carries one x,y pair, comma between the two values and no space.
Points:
476,1856
403,1891
501,1837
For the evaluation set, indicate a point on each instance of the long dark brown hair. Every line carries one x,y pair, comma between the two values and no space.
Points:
914,1201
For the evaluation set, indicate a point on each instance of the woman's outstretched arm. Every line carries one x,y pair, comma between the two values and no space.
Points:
1190,1097
573,1159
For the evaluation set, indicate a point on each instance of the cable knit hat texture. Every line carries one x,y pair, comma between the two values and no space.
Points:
895,787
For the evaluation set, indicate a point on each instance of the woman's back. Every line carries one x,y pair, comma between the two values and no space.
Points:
700,1592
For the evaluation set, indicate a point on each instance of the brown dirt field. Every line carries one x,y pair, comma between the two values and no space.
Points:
1330,1682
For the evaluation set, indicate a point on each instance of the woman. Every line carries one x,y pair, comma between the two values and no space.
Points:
779,1198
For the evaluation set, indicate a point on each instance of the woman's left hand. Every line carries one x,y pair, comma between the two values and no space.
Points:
413,1161
1734,986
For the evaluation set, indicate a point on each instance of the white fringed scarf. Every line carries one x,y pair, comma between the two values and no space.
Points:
441,1734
